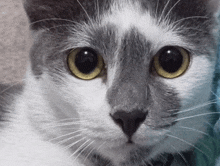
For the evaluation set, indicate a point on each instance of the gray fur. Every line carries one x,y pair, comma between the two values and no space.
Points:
136,86
52,17
7,94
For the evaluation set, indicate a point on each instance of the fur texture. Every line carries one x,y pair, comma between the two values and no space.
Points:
61,120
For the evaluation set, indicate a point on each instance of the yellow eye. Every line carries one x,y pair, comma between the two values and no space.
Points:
171,62
85,63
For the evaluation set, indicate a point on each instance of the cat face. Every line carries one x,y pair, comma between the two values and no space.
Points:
139,104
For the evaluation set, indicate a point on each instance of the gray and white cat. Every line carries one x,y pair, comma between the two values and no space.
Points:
113,83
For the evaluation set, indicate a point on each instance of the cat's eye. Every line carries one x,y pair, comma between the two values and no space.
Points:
85,63
171,62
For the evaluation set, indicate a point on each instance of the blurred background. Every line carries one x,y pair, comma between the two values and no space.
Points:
14,41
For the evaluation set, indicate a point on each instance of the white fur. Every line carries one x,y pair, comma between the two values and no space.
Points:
21,144
130,16
218,162
45,102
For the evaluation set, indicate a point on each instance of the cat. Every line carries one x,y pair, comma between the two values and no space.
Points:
113,83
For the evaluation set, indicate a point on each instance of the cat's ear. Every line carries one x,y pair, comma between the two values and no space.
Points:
45,13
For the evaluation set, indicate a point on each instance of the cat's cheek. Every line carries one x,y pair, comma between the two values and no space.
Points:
193,89
148,137
196,81
92,109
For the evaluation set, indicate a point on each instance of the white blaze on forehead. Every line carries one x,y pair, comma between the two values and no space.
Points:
129,16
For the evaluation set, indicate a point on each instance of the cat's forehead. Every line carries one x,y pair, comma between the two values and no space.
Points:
158,22
105,25
79,10
129,16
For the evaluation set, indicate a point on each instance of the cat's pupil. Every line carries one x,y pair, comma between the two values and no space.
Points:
86,61
171,59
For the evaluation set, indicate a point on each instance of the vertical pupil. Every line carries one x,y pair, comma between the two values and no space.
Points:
171,59
86,61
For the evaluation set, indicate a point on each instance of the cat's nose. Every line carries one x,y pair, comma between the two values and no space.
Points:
129,121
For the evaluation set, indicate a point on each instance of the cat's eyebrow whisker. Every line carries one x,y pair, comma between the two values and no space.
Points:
196,107
156,11
186,18
98,9
188,143
196,29
85,11
57,26
198,115
168,13
162,13
53,19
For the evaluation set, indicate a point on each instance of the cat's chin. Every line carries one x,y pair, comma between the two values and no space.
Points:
124,152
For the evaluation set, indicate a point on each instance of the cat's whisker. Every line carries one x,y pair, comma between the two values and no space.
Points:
86,147
78,149
198,115
210,125
217,97
10,86
62,125
68,139
181,155
74,143
67,134
68,119
186,18
58,26
196,107
53,19
78,121
151,164
195,29
156,11
163,11
85,11
168,13
192,129
98,9
87,156
188,143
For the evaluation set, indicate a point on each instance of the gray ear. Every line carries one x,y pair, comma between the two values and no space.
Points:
45,13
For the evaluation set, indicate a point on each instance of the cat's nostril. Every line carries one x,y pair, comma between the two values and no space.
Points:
129,121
